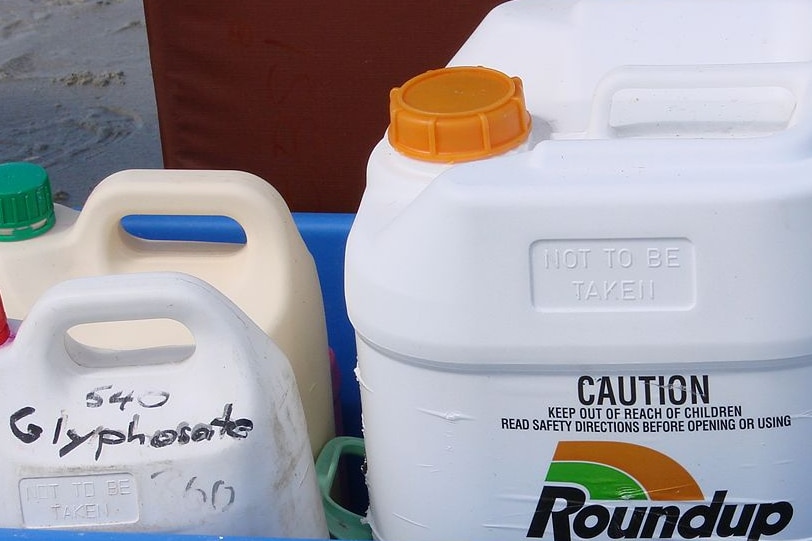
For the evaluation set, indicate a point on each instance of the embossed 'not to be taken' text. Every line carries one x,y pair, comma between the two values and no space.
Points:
596,274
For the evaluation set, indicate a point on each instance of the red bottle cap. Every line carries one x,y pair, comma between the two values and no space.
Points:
5,332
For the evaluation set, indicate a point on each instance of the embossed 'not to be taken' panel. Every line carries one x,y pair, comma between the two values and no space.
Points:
613,274
87,500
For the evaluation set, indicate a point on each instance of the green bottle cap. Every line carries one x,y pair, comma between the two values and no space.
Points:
26,204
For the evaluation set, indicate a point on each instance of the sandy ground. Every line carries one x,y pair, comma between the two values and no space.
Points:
76,91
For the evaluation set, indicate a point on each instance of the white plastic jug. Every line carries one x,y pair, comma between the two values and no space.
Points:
205,439
272,277
595,322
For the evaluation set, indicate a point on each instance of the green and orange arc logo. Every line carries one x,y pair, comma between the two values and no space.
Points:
612,470
645,495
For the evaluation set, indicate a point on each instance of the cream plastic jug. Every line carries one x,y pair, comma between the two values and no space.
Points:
208,438
593,322
272,277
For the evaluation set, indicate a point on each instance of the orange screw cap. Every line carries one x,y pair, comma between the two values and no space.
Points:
458,114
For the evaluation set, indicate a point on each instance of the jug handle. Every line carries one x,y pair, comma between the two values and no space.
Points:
249,200
341,523
211,317
792,76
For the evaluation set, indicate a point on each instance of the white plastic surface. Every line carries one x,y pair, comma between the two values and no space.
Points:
205,439
724,62
272,278
647,254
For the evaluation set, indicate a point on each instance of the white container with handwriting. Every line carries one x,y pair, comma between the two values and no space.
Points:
203,439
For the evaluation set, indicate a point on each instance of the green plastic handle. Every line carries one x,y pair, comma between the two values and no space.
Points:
341,523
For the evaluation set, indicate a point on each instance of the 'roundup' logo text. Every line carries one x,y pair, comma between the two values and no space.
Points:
628,479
